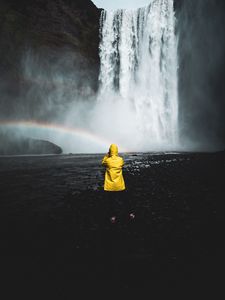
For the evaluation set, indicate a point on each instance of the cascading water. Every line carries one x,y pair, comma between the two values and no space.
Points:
138,53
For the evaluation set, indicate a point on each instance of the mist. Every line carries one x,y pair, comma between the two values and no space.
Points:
61,87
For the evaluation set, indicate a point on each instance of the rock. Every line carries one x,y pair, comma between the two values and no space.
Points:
22,146
201,47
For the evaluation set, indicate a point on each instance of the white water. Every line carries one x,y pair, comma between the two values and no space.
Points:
138,75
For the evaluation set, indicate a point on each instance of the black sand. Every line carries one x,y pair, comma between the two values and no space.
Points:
57,240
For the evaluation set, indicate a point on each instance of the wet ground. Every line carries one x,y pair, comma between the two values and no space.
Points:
57,240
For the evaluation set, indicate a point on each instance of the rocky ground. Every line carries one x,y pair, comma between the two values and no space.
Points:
57,238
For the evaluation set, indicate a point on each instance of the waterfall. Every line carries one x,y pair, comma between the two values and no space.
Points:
138,65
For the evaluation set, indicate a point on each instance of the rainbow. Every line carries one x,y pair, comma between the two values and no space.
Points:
78,132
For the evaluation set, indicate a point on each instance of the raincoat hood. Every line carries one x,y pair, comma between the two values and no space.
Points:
113,150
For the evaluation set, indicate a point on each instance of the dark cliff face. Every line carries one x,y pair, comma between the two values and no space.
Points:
15,145
51,23
53,32
201,29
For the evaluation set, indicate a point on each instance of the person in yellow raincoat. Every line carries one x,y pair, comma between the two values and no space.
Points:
114,181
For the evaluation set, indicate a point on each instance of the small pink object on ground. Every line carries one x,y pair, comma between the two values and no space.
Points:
113,219
132,216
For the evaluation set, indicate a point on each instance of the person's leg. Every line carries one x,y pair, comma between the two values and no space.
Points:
110,199
128,209
115,205
119,206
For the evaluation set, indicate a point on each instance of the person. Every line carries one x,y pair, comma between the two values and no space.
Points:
114,181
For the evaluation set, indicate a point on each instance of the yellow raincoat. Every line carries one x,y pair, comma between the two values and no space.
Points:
114,181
